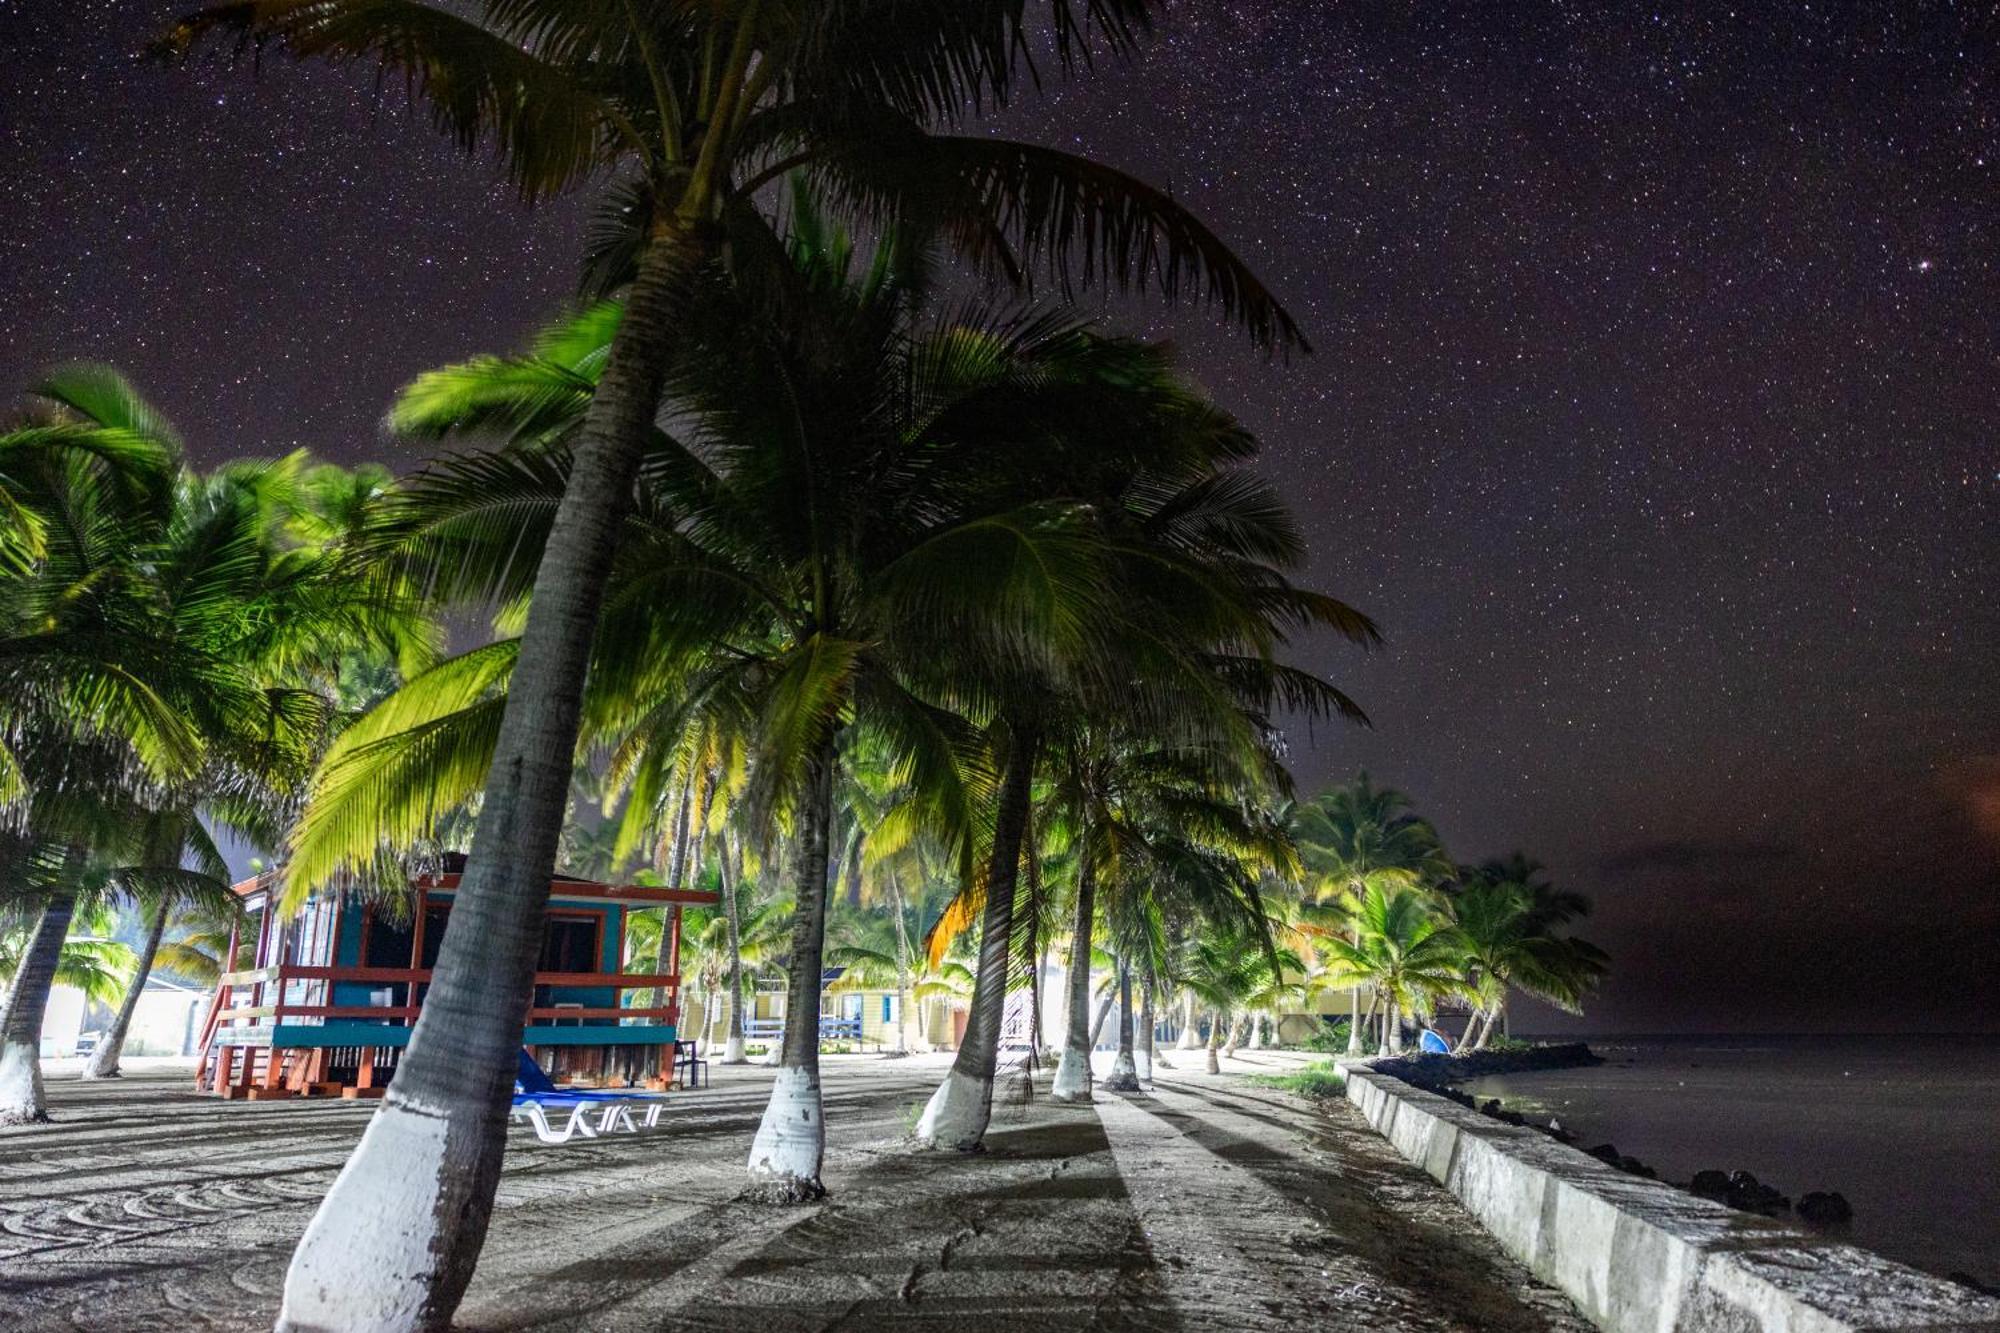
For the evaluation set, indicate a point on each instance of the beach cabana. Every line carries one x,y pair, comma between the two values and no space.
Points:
331,994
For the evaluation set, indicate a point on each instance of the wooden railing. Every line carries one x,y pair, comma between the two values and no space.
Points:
830,1028
258,995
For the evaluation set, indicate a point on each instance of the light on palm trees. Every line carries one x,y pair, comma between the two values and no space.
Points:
707,104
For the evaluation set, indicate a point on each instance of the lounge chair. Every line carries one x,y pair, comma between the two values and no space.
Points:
534,1088
536,1114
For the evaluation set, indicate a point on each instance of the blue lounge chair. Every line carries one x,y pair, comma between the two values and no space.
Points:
535,1094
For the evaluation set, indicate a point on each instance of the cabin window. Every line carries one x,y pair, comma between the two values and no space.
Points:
436,917
570,944
388,942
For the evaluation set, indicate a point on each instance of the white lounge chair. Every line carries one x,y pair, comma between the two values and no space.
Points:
578,1123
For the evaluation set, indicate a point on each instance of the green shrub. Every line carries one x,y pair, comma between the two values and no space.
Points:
1319,1081
1331,1038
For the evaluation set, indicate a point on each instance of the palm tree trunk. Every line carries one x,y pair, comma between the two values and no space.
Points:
1103,1012
1215,1025
394,1242
959,1110
1073,1071
1190,1037
104,1060
22,1101
1237,1032
1354,1020
852,861
1256,1031
730,876
791,1141
1124,1069
902,965
676,875
1148,1057
1392,1030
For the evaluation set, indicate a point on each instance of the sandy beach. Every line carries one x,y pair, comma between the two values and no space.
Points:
1210,1203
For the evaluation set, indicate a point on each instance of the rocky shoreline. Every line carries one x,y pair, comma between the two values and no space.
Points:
1825,1211
1435,1073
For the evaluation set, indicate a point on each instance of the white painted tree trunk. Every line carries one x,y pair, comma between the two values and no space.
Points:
1124,1069
1237,1031
22,1100
380,1218
1190,1037
960,1108
957,1113
1354,1022
401,1229
791,1139
1215,1025
1124,1072
1256,1032
1073,1071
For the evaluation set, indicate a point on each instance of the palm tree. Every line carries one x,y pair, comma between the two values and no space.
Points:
704,105
1192,607
165,653
92,962
1402,951
1506,915
1356,839
856,515
161,886
1218,970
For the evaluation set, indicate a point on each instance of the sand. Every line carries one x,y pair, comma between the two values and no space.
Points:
1208,1203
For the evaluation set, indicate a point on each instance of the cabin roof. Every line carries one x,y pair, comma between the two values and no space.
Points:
560,886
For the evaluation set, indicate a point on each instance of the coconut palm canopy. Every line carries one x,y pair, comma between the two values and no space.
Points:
863,580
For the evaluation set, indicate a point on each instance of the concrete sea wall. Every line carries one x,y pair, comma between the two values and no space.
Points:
1640,1257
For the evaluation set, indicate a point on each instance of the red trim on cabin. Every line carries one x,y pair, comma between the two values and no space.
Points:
563,885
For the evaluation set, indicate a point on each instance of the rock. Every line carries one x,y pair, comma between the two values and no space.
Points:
1711,1185
1491,1106
1750,1195
1604,1153
1826,1210
1634,1166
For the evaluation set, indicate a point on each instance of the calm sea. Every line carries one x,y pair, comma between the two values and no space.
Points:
1907,1128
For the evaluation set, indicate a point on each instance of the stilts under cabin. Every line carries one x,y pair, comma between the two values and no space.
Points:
330,997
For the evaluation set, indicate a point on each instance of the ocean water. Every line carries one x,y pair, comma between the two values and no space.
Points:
1907,1128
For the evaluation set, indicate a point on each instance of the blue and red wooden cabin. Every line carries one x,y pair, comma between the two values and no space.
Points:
332,993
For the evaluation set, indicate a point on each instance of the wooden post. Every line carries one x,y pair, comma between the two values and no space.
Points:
364,1075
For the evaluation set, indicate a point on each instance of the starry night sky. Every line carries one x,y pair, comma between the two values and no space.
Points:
1655,409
